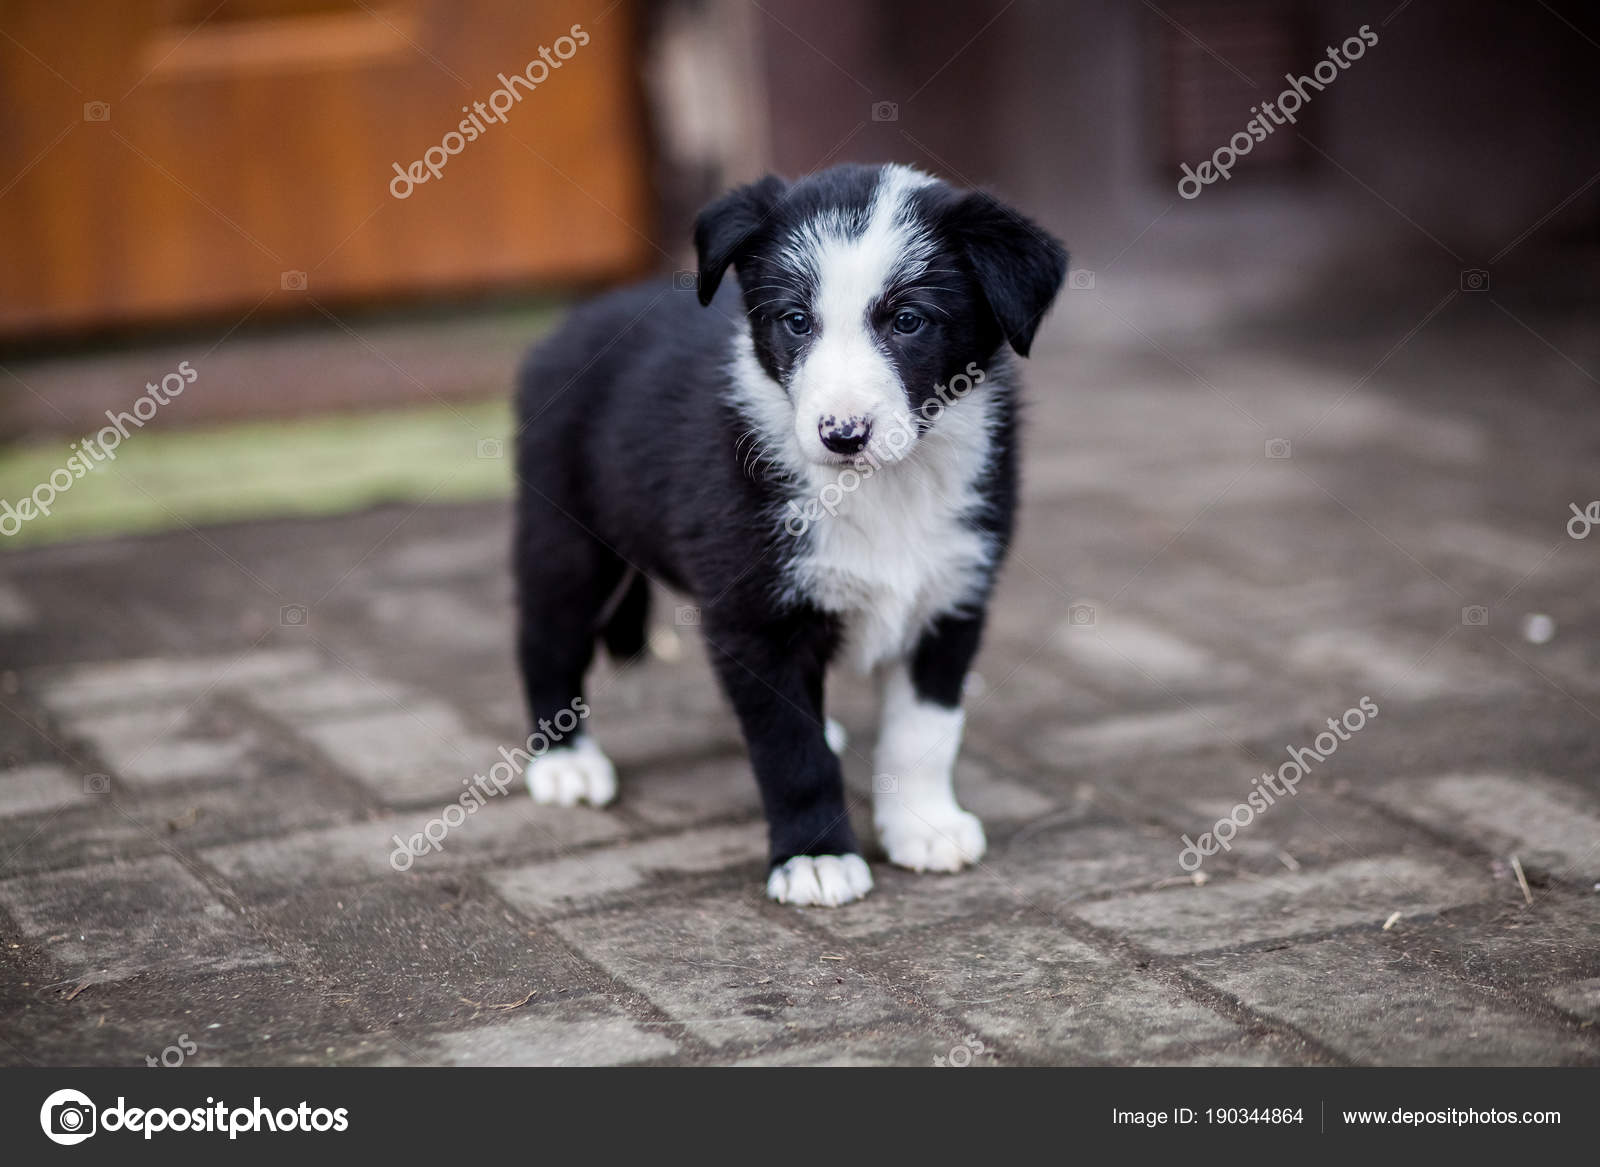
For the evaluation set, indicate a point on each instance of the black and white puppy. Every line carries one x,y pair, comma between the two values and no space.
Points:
825,458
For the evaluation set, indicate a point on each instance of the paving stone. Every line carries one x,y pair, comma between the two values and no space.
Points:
1508,944
98,829
655,710
1515,557
245,1017
1550,826
1403,668
1231,912
509,827
91,832
1246,1051
1043,995
593,876
540,1039
1580,997
417,754
1122,651
1022,686
1035,878
447,558
433,615
676,796
156,744
1389,1009
114,921
642,740
36,789
331,692
871,1046
1136,735
81,688
418,953
1315,826
735,975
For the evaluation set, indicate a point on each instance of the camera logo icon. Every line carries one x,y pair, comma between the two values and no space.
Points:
294,281
885,111
1279,448
686,616
884,784
1080,279
97,784
961,1055
686,281
293,615
68,1117
1475,616
96,111
1080,616
489,448
1474,279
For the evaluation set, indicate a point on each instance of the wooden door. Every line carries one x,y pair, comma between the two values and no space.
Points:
162,159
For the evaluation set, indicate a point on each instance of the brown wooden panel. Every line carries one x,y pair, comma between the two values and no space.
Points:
259,139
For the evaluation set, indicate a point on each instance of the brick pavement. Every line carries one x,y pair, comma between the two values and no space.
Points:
198,796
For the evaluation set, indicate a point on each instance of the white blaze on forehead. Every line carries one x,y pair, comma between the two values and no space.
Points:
845,374
854,269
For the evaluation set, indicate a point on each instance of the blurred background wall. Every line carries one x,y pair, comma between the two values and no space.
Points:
174,165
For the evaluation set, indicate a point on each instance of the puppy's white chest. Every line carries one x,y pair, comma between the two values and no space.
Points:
897,551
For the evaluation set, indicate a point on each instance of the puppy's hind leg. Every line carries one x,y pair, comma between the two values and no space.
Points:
562,587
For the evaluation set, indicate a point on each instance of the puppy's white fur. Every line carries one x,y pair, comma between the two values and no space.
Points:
913,802
820,880
567,776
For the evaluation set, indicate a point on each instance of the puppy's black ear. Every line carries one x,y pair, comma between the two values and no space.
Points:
1019,265
723,228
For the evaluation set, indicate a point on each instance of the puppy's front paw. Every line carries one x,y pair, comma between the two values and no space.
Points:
943,839
820,880
566,777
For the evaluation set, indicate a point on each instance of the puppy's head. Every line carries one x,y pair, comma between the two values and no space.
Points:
868,288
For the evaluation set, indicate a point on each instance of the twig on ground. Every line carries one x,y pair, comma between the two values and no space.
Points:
1522,879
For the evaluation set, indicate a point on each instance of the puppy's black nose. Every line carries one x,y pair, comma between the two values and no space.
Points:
845,437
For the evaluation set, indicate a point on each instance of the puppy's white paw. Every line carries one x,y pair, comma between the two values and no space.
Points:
940,839
568,776
820,880
838,737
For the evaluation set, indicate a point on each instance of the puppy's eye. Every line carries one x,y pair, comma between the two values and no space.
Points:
906,321
797,322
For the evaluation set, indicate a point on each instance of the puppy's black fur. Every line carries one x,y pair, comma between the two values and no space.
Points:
631,467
